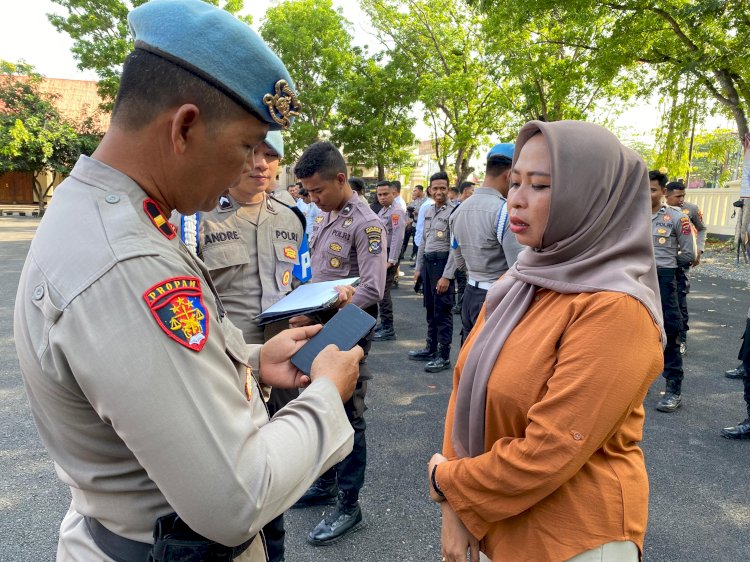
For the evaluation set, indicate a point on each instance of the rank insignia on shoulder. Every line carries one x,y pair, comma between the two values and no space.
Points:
290,252
348,222
157,217
177,306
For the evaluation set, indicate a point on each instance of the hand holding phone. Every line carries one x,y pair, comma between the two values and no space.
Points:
341,367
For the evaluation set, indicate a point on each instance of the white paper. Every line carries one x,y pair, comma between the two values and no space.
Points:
308,296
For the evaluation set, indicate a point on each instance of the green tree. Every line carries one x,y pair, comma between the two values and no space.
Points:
34,137
715,156
442,44
374,125
101,39
313,40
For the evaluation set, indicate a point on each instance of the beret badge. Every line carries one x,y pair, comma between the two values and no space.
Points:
282,104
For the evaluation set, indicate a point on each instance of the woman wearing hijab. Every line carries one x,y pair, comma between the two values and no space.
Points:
540,455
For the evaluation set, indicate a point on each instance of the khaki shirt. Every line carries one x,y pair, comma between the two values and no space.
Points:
482,237
246,260
351,244
674,243
140,386
437,235
394,222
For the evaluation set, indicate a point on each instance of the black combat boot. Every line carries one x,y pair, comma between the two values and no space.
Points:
739,431
737,373
346,519
384,333
442,361
320,493
672,399
426,354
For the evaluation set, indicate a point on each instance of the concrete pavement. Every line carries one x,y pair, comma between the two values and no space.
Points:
700,500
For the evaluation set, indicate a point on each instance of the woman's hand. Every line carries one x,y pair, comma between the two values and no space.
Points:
455,539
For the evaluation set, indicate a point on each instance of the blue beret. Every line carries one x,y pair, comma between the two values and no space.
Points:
276,142
502,149
222,50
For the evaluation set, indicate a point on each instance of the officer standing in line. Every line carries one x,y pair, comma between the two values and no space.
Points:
161,434
674,246
412,210
251,244
432,259
347,241
465,190
676,199
481,237
394,221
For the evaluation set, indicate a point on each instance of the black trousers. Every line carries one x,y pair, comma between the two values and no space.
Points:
744,356
683,288
439,315
350,473
385,306
672,325
460,287
473,301
408,233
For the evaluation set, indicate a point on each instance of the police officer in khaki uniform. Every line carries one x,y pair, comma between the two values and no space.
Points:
432,259
674,246
481,237
393,219
250,244
347,241
676,199
143,391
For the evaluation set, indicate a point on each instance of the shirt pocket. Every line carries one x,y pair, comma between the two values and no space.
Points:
287,256
336,258
219,256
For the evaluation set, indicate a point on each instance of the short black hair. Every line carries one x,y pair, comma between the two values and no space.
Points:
395,184
302,192
497,164
151,84
441,175
419,186
656,175
322,158
464,185
678,184
357,184
382,183
454,189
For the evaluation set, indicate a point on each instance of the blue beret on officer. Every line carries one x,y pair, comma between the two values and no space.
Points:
214,45
504,149
276,142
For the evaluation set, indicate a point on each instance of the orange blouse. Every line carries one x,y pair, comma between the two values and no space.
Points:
562,472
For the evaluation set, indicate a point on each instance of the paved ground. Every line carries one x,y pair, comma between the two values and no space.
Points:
700,500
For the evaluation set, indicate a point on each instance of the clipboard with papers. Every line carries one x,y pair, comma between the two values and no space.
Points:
305,299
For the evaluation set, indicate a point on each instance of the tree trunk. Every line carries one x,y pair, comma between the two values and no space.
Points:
381,171
38,192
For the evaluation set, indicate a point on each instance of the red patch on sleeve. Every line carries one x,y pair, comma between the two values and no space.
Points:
177,306
394,220
685,225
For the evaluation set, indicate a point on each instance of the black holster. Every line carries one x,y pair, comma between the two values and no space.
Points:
174,541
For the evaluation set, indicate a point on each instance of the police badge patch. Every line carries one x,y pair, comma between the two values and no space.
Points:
374,236
177,305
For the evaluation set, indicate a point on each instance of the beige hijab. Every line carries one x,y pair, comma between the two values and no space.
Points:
598,238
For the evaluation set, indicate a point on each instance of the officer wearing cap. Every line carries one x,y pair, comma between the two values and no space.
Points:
676,199
432,259
674,246
347,241
143,391
251,244
481,237
394,224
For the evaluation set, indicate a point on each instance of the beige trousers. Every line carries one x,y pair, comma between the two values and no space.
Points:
617,551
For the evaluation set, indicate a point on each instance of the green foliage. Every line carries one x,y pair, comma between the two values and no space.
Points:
715,156
101,39
442,45
34,137
374,125
313,40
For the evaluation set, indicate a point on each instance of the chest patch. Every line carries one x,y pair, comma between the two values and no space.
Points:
177,306
335,247
290,252
348,222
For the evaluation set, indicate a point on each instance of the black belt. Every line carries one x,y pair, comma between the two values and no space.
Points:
435,256
184,545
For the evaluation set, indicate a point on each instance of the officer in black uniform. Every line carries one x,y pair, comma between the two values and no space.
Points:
742,429
432,259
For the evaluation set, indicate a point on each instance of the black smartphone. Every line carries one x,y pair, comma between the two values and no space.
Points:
344,329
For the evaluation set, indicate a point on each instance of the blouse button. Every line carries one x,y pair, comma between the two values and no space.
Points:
576,435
